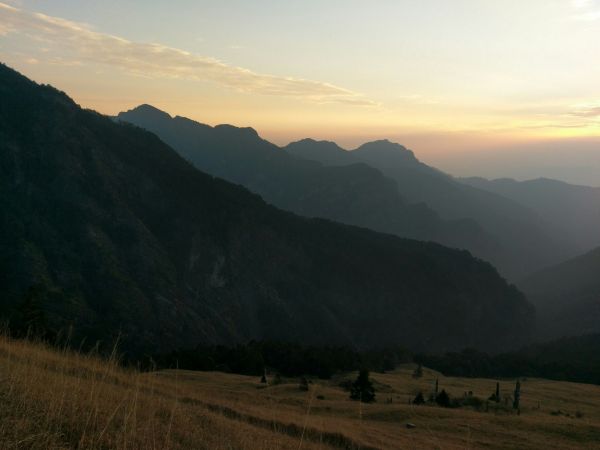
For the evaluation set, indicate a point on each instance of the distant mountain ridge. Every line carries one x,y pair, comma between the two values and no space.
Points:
109,231
355,194
570,212
325,152
381,153
518,229
403,196
567,296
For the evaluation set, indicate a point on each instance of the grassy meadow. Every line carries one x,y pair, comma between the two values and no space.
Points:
51,399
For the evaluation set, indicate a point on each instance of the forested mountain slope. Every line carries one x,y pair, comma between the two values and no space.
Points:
106,229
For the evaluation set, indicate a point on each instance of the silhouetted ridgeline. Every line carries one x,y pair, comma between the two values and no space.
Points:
355,194
124,237
381,185
525,241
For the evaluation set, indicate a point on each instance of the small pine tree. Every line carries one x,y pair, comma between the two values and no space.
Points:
517,396
303,385
443,399
263,379
362,389
419,399
418,373
495,397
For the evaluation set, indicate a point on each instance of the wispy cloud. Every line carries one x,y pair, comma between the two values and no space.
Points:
588,10
590,16
156,60
590,111
582,3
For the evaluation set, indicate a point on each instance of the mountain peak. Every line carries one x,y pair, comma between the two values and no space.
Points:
148,111
385,145
311,141
248,132
326,152
386,152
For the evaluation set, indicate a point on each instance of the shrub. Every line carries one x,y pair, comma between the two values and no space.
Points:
443,399
419,399
469,401
362,389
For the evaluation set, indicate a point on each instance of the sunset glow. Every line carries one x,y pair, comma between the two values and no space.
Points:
444,77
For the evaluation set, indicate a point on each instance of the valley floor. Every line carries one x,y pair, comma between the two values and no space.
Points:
51,399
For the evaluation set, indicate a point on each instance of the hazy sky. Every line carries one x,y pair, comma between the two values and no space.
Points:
473,86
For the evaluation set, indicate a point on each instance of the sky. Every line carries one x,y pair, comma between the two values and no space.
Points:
475,87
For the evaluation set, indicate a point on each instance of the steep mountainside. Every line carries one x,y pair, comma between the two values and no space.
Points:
355,194
570,213
524,242
567,296
118,234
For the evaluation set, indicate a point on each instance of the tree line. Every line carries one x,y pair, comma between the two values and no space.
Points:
286,358
575,359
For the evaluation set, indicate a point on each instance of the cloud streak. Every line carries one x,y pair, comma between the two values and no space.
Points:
591,112
582,3
156,60
589,11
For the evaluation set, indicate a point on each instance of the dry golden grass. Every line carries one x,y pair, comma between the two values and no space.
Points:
60,399
55,400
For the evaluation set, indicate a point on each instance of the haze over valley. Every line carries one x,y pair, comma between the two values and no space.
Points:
326,225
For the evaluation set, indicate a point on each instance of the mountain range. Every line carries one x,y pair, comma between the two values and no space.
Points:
107,230
380,185
356,194
524,243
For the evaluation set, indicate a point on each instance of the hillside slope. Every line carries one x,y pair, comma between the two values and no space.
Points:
118,234
571,213
567,296
66,400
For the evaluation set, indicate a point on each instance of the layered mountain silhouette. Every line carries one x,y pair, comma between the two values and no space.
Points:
355,194
108,230
570,213
381,185
525,245
567,296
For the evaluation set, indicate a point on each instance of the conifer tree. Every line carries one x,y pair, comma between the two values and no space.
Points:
419,399
362,389
443,399
517,396
418,373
